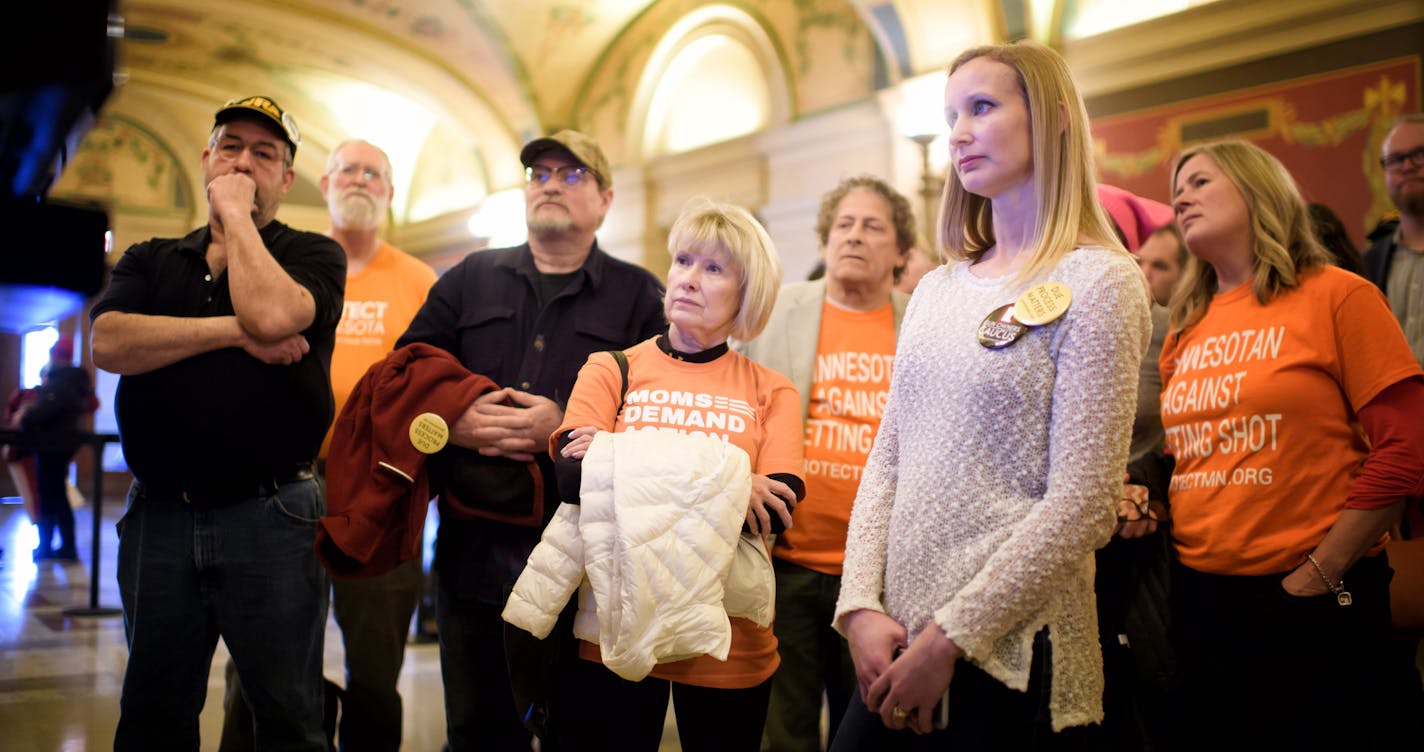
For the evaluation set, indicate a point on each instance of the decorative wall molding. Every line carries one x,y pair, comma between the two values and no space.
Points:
1222,34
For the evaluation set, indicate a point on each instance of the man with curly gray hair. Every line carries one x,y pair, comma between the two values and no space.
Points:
834,338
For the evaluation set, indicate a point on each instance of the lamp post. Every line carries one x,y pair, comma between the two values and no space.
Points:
920,117
931,185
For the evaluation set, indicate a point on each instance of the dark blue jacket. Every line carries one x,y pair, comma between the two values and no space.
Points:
1377,257
486,312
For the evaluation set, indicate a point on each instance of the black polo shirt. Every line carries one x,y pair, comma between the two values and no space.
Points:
224,417
488,312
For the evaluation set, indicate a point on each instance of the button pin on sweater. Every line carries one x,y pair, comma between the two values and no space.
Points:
1000,328
1043,303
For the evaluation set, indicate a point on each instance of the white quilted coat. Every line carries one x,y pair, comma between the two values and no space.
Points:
653,544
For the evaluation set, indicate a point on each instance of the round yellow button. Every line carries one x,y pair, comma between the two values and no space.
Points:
429,433
1042,303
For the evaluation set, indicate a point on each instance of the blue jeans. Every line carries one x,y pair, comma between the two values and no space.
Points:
246,571
51,474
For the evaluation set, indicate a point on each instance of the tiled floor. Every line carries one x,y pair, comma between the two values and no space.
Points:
60,674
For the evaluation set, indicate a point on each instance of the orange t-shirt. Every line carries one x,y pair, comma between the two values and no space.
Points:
744,403
380,302
1259,405
854,359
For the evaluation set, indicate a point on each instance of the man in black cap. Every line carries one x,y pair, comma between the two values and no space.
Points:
526,317
222,340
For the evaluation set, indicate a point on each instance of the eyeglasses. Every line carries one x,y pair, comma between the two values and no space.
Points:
367,174
571,176
1397,162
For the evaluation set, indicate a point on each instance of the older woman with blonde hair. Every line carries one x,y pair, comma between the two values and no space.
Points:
1292,405
967,597
689,388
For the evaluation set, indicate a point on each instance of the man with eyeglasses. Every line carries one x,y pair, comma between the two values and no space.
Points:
1395,261
384,288
222,340
527,317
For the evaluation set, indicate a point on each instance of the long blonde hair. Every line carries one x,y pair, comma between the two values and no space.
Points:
1069,213
1283,240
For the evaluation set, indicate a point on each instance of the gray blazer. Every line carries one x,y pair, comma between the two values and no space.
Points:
788,344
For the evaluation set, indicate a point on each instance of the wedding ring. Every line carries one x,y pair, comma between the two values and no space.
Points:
899,713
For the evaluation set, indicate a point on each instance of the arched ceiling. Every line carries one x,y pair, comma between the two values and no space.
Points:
519,62
456,86
460,84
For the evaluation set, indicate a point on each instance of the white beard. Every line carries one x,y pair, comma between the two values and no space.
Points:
356,211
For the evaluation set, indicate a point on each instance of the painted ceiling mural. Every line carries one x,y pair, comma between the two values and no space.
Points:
457,85
153,179
452,88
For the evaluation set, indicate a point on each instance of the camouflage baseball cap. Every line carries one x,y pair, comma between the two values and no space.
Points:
580,146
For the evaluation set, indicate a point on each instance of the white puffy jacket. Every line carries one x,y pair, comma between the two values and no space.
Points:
653,543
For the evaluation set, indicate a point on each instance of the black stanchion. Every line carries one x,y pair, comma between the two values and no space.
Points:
97,442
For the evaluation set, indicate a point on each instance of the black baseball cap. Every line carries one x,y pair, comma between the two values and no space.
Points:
269,112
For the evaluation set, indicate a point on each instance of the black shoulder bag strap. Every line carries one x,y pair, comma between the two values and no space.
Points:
623,370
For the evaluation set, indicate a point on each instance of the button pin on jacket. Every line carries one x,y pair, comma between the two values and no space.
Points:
429,433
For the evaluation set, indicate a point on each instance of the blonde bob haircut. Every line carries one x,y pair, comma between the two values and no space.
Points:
707,226
1069,214
1283,241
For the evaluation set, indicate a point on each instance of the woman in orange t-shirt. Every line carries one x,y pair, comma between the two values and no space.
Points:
1291,404
723,282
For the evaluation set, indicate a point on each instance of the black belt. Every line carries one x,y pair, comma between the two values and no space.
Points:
211,495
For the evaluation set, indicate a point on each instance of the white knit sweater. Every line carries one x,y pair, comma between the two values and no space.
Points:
996,473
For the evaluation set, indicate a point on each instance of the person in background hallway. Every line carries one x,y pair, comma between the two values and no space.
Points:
384,288
1281,494
922,259
867,232
989,487
1335,239
50,424
222,341
1395,261
527,318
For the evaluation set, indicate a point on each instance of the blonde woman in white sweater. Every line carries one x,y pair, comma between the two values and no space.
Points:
997,470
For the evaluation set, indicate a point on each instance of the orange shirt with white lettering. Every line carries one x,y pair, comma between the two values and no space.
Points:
1259,405
731,397
854,359
380,302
